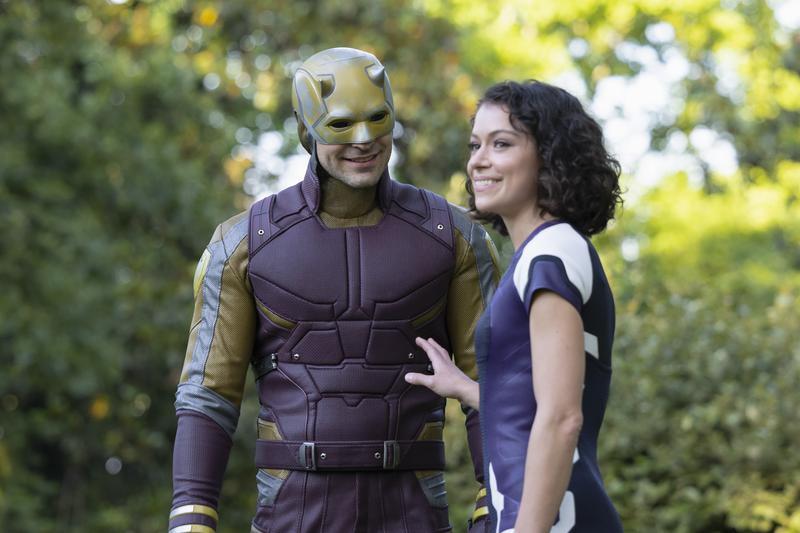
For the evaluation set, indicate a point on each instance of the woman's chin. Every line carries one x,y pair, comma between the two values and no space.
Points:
484,206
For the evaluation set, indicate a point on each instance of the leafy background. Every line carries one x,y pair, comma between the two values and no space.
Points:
130,128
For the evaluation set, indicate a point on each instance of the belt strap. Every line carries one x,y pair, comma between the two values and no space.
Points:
343,455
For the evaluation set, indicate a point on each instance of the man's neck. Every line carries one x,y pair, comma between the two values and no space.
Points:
343,202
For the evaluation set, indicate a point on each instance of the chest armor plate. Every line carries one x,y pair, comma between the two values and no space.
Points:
338,312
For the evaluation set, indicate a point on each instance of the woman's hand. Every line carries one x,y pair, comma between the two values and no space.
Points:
447,379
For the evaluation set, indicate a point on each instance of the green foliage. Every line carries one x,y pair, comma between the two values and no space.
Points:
110,183
703,414
118,155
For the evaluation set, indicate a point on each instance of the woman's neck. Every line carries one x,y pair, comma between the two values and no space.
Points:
521,225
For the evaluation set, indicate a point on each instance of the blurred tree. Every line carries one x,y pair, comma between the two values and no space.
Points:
704,404
110,182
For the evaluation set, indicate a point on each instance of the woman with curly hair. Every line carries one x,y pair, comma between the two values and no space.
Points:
539,173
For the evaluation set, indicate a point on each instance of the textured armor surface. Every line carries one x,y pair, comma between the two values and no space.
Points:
356,298
338,335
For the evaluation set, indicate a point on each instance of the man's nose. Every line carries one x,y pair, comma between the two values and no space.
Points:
361,136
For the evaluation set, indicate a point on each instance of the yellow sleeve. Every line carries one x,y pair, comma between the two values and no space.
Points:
474,279
223,328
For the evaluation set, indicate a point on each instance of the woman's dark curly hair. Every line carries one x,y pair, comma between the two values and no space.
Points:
578,180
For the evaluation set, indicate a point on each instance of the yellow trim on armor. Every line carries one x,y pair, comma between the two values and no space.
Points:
430,314
479,512
431,431
194,509
269,431
285,323
481,494
370,218
192,528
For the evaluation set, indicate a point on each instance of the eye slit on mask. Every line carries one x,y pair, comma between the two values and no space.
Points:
379,116
340,124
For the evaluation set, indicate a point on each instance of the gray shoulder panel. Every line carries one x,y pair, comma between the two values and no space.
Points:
478,240
220,250
237,231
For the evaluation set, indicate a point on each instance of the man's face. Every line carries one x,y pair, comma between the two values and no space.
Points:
356,165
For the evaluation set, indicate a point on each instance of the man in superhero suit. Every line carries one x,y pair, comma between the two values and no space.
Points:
322,288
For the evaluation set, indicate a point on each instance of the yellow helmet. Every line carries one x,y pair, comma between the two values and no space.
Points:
342,96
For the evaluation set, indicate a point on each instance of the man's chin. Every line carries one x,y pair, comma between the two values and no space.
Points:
364,184
361,180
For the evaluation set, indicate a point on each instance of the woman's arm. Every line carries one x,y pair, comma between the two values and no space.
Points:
447,379
558,358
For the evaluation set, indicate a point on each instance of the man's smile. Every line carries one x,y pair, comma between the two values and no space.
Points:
362,159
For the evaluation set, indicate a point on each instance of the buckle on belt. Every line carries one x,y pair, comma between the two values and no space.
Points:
307,456
391,454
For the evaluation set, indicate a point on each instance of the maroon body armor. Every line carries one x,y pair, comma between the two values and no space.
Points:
338,312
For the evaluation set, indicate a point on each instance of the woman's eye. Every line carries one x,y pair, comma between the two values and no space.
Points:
501,144
473,146
340,124
377,117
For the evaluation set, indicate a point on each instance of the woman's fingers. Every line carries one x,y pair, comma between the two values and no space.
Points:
416,378
435,352
447,379
437,356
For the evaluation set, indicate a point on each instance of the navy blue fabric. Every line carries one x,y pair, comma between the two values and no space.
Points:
508,404
548,273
